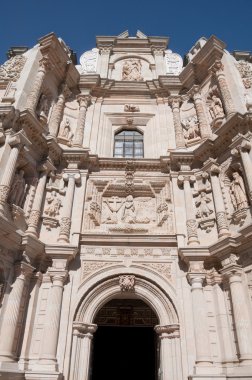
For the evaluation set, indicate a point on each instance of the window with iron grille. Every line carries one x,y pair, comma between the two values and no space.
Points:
128,144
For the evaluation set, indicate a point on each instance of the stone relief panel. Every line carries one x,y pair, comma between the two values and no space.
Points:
11,69
245,70
88,61
173,63
121,252
128,205
131,69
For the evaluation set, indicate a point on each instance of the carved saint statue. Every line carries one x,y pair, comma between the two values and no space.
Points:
204,209
66,131
18,187
191,128
54,204
43,107
132,70
237,192
215,107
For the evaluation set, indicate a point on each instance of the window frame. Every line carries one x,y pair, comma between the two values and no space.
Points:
131,139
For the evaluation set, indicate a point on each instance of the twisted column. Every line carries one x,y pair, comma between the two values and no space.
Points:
16,142
191,222
241,309
33,97
205,130
53,313
203,354
65,222
11,313
220,211
84,102
167,366
218,70
175,102
82,339
57,111
35,214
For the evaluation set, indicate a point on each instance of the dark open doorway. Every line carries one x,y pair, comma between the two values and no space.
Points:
124,345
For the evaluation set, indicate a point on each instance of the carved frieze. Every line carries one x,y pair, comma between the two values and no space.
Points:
89,267
245,70
12,68
125,251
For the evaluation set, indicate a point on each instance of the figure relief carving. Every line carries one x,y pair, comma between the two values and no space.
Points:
53,205
245,70
18,189
215,107
65,135
12,68
191,129
205,211
131,70
127,283
131,108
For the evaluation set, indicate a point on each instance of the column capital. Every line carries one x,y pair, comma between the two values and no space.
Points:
195,92
47,167
105,50
213,277
82,329
58,277
64,90
230,266
18,140
84,100
217,68
23,270
45,64
76,176
214,169
183,178
175,101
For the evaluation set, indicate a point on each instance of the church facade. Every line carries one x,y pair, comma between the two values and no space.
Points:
125,211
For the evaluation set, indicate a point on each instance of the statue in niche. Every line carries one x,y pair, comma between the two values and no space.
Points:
66,132
132,70
129,213
204,210
191,127
114,206
54,204
237,192
18,188
43,108
215,107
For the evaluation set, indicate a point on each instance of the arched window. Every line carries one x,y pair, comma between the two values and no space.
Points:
128,144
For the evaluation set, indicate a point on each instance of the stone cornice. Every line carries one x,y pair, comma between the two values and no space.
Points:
137,239
197,69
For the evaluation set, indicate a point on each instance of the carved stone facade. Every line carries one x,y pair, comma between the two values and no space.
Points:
125,199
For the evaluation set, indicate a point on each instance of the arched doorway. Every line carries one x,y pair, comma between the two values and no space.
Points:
125,343
106,287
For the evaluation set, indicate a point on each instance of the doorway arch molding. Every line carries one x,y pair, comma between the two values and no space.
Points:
150,287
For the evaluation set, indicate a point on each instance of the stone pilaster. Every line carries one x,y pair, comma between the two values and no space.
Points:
196,277
51,330
33,97
220,211
218,70
82,339
241,309
84,101
205,130
159,60
167,334
105,52
16,142
12,311
57,111
191,222
175,102
65,222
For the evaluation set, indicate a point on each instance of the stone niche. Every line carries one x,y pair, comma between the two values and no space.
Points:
113,206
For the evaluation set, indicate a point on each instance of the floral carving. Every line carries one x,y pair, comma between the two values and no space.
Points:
127,283
65,225
245,70
192,225
4,191
12,68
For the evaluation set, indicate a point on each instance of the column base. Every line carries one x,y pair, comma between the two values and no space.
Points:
10,371
41,375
